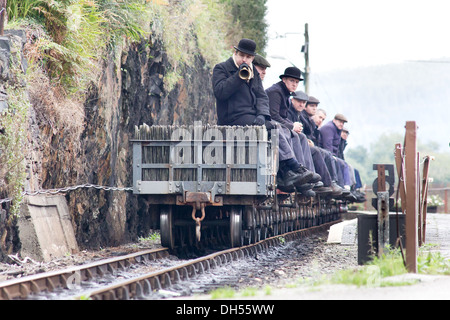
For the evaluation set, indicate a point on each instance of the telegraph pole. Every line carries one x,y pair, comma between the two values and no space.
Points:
305,50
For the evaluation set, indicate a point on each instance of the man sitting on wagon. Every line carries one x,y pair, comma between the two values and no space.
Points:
323,160
331,140
241,100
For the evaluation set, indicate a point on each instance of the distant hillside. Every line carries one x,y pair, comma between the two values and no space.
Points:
382,98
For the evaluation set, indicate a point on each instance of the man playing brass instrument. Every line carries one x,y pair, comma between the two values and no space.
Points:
240,95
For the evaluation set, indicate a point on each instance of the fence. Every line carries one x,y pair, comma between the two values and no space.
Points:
443,193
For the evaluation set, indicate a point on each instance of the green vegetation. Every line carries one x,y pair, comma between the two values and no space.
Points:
223,293
391,264
230,293
14,126
76,35
248,17
151,239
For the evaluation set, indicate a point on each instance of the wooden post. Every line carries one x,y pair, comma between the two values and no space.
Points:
306,51
412,193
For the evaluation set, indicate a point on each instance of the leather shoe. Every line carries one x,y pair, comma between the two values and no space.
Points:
283,186
336,190
308,193
304,176
323,190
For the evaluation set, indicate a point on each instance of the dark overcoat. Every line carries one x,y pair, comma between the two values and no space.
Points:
279,104
309,126
238,102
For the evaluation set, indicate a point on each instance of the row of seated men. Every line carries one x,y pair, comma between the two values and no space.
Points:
310,154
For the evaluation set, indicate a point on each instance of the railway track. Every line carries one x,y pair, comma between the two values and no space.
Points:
139,287
22,288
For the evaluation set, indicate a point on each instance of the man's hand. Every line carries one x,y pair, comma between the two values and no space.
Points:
271,125
259,120
244,65
298,127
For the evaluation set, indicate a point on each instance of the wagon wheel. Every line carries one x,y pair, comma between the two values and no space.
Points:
166,226
256,232
253,227
236,226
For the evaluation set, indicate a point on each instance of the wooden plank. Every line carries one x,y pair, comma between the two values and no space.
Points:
411,191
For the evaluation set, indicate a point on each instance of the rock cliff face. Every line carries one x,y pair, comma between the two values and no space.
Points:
128,95
130,92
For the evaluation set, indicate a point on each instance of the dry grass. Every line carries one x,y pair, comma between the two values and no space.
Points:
51,103
53,107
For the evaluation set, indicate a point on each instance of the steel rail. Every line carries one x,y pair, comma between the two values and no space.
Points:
141,286
23,287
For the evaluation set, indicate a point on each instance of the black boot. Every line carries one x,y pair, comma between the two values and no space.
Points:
283,185
304,176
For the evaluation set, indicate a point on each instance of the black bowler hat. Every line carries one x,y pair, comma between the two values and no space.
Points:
247,46
292,72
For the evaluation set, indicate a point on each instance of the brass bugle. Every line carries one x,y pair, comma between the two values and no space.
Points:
244,73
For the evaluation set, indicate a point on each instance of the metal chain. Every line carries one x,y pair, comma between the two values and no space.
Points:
65,189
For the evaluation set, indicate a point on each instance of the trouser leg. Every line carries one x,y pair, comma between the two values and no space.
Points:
321,167
285,145
308,161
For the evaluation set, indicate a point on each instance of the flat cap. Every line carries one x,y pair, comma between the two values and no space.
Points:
341,117
313,100
261,61
300,95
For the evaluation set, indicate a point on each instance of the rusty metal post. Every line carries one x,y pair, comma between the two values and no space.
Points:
383,221
412,194
383,210
400,164
423,204
446,200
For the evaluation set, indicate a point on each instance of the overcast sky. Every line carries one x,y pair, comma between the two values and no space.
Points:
345,34
349,33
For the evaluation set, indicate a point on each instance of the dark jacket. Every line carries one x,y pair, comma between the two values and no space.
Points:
279,104
293,114
238,102
309,127
331,137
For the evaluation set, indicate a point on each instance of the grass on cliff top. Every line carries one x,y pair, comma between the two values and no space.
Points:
76,35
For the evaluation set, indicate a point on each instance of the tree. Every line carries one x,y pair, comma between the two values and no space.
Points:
250,17
382,152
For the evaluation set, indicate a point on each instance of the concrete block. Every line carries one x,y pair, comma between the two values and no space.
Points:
45,228
343,232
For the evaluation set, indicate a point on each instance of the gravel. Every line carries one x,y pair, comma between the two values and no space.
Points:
304,260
